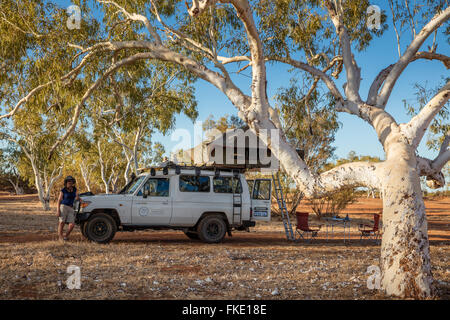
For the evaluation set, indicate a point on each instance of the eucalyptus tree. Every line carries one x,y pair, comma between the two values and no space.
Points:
9,159
32,133
110,162
138,101
84,158
31,54
213,38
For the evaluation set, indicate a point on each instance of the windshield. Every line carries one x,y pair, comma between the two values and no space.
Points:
132,187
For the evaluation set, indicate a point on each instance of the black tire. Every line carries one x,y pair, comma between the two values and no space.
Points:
100,228
83,229
212,229
192,235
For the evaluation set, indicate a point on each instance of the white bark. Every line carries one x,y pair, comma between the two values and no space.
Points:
353,71
42,181
86,171
418,125
103,168
17,188
405,255
131,151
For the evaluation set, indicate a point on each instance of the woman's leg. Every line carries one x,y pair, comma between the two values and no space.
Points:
70,220
60,229
62,221
69,230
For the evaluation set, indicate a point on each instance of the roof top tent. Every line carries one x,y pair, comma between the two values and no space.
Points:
238,148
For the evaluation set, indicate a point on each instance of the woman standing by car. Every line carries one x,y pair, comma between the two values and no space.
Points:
65,210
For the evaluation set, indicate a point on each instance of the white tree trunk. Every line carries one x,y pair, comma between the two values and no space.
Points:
41,193
86,171
39,184
17,188
405,253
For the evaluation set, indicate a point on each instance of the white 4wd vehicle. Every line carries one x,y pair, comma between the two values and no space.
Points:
205,204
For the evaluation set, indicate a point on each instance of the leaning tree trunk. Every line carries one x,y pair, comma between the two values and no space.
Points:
40,188
42,198
405,254
17,188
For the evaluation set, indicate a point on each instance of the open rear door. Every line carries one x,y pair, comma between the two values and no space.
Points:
261,199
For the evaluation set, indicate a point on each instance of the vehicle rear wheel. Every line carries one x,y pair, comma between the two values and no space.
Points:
212,229
191,235
100,228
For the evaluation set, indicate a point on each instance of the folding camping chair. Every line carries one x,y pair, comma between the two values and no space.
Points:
303,228
371,232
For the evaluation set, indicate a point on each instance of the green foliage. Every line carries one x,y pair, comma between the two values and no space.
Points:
309,122
34,50
333,203
223,123
441,123
301,27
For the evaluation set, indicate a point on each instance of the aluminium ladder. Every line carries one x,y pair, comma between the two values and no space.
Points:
282,205
237,201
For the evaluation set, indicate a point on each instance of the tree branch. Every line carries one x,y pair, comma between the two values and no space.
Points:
136,17
315,72
415,129
444,154
408,56
381,77
435,178
351,67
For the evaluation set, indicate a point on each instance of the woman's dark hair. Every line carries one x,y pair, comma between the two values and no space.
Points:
69,178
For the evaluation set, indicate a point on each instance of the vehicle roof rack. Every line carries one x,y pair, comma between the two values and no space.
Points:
214,167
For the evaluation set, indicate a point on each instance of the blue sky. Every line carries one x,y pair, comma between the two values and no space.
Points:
355,134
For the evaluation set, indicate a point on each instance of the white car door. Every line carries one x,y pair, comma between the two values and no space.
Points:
261,199
152,204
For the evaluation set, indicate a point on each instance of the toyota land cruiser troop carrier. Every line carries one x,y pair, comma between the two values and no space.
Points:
204,204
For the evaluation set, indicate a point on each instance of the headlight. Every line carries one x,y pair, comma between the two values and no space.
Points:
84,204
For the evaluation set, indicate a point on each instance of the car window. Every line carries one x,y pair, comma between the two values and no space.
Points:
261,190
158,187
226,185
133,187
194,184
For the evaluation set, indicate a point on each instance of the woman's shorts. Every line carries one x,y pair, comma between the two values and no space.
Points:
67,214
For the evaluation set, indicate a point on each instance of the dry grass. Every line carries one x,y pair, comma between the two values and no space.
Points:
167,265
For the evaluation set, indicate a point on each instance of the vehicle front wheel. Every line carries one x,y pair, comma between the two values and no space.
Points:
83,229
100,228
212,229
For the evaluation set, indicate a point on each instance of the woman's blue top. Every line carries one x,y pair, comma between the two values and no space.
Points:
68,197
